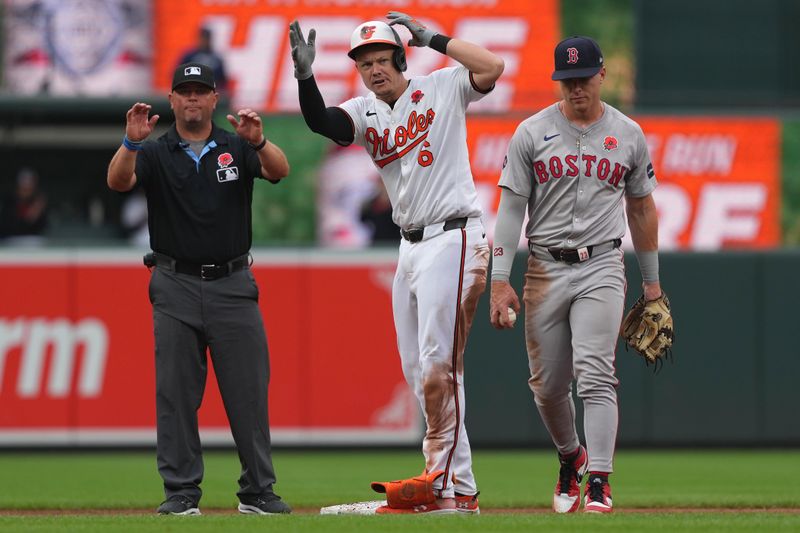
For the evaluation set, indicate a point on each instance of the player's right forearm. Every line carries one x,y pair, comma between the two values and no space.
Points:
510,215
121,175
480,61
330,122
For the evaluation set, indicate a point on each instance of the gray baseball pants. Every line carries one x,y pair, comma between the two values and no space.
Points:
572,318
191,315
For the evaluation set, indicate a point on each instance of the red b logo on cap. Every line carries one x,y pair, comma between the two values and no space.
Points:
572,56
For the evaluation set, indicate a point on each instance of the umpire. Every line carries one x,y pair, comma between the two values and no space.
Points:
198,180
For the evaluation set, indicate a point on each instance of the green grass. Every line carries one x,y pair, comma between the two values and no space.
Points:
514,480
699,522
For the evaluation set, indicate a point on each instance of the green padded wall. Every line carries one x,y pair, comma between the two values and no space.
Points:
731,382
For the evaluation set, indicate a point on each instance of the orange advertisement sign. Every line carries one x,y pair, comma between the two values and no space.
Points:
719,178
719,181
252,37
77,363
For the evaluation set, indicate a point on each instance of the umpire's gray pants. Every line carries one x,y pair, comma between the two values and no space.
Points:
189,316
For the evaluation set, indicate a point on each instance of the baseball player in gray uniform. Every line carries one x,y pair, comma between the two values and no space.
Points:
415,133
571,165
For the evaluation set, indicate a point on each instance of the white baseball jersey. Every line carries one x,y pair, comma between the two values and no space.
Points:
575,178
420,150
420,147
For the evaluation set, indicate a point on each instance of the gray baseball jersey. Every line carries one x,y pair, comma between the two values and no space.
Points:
575,178
426,125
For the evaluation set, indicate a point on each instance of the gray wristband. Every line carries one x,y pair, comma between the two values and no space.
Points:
648,265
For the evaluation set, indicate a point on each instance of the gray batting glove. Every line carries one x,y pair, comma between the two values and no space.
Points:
422,35
302,52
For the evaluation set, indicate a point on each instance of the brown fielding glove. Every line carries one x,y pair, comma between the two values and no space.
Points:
647,328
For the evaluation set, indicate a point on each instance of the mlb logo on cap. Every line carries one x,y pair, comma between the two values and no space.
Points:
193,72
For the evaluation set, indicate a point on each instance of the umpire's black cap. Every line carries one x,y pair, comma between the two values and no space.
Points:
193,72
577,57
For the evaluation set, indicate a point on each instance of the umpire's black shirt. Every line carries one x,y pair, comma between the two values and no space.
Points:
199,209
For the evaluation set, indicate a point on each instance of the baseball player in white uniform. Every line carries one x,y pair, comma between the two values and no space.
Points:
571,165
415,132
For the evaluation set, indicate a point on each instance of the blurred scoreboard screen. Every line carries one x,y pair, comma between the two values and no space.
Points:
77,47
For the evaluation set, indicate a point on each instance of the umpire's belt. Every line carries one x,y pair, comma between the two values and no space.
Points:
205,272
416,235
573,255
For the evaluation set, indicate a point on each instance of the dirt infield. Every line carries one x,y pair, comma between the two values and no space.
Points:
490,510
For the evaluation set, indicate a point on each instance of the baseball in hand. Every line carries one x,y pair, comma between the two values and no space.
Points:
512,316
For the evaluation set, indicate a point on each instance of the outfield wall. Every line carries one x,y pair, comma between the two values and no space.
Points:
76,364
733,374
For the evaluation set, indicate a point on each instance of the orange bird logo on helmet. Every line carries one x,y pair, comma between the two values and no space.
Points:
367,31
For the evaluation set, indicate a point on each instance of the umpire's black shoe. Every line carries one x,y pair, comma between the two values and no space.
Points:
267,504
178,505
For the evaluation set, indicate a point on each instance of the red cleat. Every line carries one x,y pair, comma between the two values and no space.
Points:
598,495
567,496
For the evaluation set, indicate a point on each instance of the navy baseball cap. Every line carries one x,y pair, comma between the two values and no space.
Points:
193,72
577,57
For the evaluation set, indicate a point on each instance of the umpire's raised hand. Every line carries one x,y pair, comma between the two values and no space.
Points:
303,51
249,126
137,124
